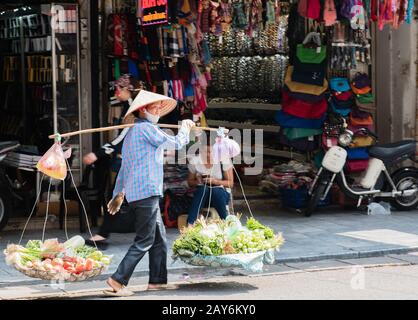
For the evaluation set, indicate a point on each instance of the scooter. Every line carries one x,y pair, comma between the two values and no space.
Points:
6,188
385,177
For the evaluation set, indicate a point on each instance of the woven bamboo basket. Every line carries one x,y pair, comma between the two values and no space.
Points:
66,276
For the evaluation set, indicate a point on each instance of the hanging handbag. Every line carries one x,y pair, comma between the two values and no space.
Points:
309,73
298,133
357,154
362,141
311,55
288,121
302,109
339,84
360,122
361,80
304,88
311,50
366,98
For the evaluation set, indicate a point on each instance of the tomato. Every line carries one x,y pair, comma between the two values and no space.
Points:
68,265
89,264
80,268
71,270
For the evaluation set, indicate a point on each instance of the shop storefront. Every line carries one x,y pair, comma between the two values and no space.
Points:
280,66
39,93
295,69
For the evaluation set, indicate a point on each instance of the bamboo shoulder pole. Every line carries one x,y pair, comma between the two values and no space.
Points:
122,126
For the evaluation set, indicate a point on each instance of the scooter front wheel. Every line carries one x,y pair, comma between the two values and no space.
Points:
316,195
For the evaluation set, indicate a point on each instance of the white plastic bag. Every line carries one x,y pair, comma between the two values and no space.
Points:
381,208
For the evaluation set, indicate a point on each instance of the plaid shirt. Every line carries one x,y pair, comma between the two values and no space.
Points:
141,173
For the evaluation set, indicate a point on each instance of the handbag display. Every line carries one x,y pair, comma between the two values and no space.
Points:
365,98
339,84
303,144
362,141
309,73
359,121
361,91
361,80
298,133
311,55
310,98
304,88
357,154
288,121
342,96
302,109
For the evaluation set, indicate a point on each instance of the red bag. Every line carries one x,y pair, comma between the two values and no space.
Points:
342,96
167,222
357,165
303,109
360,122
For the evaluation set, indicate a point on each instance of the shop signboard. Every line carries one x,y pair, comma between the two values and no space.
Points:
153,12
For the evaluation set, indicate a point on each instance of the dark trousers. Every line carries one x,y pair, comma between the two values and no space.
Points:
151,238
122,222
219,200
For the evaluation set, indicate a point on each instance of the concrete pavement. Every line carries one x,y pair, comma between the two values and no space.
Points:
389,277
329,234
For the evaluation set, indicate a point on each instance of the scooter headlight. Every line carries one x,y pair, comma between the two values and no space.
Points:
345,138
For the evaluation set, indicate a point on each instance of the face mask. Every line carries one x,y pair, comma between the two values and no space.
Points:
150,117
130,101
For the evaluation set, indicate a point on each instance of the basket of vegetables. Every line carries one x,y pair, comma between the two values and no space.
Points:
227,243
51,260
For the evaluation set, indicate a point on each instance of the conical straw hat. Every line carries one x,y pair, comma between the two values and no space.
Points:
145,98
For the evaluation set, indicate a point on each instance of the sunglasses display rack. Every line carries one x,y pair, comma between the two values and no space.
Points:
31,47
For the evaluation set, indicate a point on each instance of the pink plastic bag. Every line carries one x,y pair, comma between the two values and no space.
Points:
53,162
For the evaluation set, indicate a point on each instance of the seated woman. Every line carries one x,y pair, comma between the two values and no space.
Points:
212,180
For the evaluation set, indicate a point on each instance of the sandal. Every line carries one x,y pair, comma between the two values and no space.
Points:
159,287
123,292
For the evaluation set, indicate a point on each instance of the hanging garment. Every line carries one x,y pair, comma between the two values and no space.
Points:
270,12
171,44
345,9
226,16
330,14
118,33
239,19
215,18
205,16
310,9
200,103
358,19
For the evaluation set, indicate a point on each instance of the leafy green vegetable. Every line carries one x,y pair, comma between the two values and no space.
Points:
34,245
253,224
226,237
